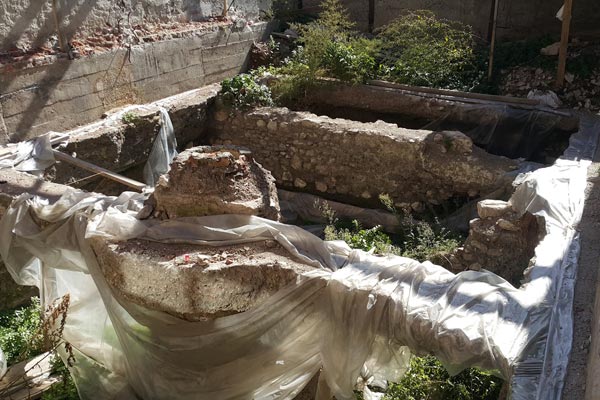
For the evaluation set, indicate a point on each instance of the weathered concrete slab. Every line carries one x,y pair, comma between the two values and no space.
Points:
196,282
117,146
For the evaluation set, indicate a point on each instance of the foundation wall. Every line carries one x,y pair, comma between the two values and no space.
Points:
67,93
358,161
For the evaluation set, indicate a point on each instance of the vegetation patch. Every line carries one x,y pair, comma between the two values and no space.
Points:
427,379
243,92
419,240
421,49
27,332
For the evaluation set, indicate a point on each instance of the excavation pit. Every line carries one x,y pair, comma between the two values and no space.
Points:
336,159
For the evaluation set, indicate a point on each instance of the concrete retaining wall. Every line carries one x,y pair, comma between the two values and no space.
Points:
517,19
29,23
65,93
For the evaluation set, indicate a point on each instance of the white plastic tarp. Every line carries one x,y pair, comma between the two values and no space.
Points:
355,316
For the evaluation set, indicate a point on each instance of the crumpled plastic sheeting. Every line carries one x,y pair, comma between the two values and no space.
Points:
164,150
503,129
35,156
357,322
541,370
32,156
2,364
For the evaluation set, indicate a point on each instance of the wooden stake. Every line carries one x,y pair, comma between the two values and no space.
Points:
57,24
493,40
564,44
224,8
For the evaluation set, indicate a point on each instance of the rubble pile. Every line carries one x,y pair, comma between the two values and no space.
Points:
582,81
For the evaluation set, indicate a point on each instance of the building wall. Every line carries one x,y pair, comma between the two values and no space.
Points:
517,19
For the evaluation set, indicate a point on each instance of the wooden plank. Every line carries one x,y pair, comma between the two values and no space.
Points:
456,93
564,44
28,379
99,170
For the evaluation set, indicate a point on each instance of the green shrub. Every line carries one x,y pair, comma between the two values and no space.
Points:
424,241
344,62
243,92
21,336
328,47
427,379
421,49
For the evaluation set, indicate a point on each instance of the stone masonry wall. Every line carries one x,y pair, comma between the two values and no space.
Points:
67,93
356,161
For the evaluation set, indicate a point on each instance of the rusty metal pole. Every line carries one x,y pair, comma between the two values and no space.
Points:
564,44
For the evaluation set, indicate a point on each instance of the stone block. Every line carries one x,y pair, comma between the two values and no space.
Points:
216,180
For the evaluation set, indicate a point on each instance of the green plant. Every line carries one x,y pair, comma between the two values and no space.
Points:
27,332
130,118
20,332
422,240
65,389
344,62
427,379
421,49
359,238
243,92
328,48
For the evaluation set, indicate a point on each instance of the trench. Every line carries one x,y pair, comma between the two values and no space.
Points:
459,206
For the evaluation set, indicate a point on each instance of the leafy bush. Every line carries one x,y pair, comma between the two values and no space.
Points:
421,49
344,62
20,333
328,48
431,242
243,92
428,379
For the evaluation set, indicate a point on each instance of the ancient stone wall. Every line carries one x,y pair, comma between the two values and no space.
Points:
357,161
67,93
